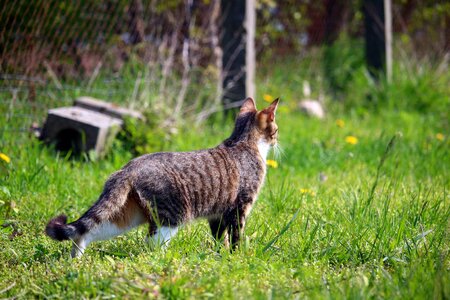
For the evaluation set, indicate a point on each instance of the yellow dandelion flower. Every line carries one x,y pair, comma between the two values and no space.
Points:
440,136
340,123
272,163
352,140
267,98
5,157
307,192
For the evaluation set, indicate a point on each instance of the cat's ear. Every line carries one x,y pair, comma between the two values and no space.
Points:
271,110
248,106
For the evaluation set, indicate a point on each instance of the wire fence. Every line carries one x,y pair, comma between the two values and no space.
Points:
52,51
120,51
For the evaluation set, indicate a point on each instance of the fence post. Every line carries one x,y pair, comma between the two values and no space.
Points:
388,35
136,23
233,46
250,25
375,41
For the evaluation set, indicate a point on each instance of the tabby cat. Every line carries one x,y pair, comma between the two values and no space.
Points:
169,189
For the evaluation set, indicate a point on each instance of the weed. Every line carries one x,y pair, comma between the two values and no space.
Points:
334,220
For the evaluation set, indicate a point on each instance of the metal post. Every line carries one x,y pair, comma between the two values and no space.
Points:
250,26
388,38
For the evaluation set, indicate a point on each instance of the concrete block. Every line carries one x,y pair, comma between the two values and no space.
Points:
107,108
80,129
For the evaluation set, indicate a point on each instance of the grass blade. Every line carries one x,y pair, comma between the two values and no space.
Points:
282,231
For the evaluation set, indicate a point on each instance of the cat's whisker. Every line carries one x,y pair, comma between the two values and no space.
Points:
278,151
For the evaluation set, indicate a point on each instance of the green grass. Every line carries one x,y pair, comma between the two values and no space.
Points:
378,227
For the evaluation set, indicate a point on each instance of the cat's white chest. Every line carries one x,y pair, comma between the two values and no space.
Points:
263,148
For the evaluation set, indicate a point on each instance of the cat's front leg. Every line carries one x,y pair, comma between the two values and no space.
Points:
237,222
219,230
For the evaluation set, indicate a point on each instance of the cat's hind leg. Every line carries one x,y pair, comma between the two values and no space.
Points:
130,216
160,236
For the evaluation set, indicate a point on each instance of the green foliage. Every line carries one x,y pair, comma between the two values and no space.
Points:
145,136
416,86
334,220
341,62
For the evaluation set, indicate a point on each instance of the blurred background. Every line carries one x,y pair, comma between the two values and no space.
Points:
187,60
355,204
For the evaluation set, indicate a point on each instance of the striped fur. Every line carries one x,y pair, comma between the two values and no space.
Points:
169,189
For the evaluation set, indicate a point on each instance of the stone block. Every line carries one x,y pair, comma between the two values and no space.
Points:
80,129
107,108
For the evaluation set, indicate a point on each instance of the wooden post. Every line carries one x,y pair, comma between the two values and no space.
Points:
388,37
233,47
250,26
375,36
136,23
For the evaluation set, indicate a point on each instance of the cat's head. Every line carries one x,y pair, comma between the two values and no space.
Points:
264,125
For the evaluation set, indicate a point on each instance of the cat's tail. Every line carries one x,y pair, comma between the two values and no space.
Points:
108,206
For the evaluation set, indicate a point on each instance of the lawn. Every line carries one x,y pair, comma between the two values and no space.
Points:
338,217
